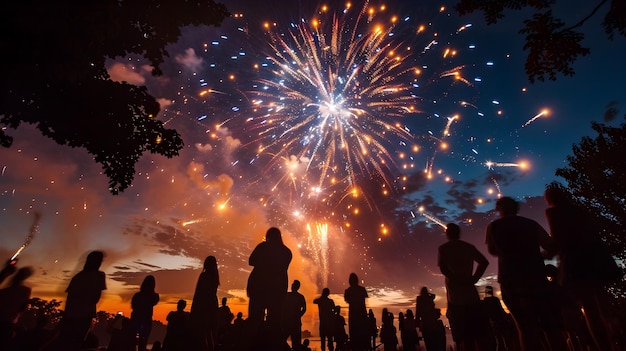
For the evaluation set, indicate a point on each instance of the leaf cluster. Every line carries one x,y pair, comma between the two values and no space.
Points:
54,75
552,46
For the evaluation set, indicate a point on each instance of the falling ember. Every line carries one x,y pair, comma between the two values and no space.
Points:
34,228
543,112
432,217
521,165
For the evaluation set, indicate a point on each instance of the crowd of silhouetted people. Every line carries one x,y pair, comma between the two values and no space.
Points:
549,308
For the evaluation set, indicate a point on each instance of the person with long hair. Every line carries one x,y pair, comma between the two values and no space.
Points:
141,315
204,316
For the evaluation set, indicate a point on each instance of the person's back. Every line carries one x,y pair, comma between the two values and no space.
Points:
517,241
178,329
326,310
270,260
83,294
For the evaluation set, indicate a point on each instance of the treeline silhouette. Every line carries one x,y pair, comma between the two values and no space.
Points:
549,308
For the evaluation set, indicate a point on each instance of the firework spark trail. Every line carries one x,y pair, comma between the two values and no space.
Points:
34,229
543,112
432,218
318,241
495,182
446,130
490,164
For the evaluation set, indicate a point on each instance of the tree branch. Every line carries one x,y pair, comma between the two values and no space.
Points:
582,21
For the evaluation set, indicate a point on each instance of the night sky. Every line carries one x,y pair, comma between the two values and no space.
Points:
357,159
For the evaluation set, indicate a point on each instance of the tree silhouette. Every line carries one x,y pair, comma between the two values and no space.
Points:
596,177
41,307
54,74
552,46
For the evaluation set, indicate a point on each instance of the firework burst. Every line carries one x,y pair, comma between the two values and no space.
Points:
333,104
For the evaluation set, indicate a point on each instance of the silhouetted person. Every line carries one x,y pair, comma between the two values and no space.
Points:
239,321
224,331
585,264
204,308
388,334
401,328
502,328
35,338
409,327
13,301
156,346
470,326
305,345
142,305
8,269
294,308
517,242
372,328
123,334
339,330
355,296
178,329
326,310
427,318
83,294
268,283
225,315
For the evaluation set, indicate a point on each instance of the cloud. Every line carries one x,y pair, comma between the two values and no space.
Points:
163,102
203,147
120,72
203,180
189,59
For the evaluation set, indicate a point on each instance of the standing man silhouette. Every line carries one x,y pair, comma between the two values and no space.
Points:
326,308
517,242
294,308
456,261
355,296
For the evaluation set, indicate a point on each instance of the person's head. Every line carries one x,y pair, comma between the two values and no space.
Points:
148,284
210,263
325,292
556,196
180,306
370,313
239,315
273,236
489,290
353,280
337,309
424,291
224,300
409,313
93,261
453,231
210,266
306,342
507,206
21,275
295,286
